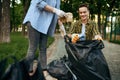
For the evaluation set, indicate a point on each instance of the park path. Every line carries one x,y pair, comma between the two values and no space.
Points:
111,53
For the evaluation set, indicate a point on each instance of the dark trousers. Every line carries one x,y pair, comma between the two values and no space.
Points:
37,39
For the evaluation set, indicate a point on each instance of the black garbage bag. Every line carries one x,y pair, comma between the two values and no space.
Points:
17,71
57,68
87,59
2,66
7,70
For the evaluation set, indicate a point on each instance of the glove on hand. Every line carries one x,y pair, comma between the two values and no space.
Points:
60,13
98,37
75,38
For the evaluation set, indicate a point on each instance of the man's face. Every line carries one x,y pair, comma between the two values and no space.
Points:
83,13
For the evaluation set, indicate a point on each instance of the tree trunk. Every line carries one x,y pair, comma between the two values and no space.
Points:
13,16
6,21
0,21
0,10
26,4
105,25
99,13
99,22
111,32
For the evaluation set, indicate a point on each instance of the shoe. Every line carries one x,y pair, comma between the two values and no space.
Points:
33,68
48,76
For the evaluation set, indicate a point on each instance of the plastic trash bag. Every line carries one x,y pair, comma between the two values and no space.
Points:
18,71
57,68
87,59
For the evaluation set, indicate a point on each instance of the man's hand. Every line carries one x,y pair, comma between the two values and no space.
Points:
98,37
75,38
59,12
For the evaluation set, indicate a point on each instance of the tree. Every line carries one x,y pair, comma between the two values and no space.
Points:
109,7
5,21
0,21
16,14
25,4
13,15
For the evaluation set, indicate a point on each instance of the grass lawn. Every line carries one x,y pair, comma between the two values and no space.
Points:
17,47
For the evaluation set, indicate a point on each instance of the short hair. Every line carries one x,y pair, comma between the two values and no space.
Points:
84,5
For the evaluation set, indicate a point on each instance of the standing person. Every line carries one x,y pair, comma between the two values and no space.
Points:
84,28
41,20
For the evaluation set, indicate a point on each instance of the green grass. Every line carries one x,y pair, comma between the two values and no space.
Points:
17,47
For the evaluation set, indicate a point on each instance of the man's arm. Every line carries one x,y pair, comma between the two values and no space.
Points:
96,33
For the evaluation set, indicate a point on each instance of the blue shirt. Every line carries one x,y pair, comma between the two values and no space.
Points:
40,19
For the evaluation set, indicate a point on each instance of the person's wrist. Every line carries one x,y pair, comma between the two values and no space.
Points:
54,10
59,12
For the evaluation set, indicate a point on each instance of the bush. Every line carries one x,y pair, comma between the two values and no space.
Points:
116,41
